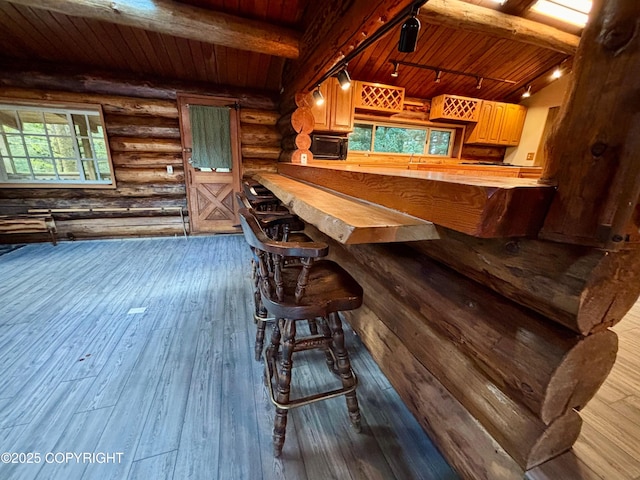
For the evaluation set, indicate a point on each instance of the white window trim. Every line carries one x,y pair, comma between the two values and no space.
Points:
67,109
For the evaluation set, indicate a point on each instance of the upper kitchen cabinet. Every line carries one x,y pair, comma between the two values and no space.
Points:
498,124
336,113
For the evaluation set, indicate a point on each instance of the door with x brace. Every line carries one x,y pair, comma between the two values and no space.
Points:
210,194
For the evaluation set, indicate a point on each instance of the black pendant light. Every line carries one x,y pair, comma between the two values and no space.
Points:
409,33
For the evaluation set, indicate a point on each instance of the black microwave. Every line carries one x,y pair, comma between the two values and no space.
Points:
329,147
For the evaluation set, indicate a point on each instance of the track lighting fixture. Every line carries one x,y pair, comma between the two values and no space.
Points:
395,69
557,73
438,76
527,92
344,79
409,33
479,83
317,96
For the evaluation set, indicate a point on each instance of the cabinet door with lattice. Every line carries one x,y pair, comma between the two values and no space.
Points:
453,107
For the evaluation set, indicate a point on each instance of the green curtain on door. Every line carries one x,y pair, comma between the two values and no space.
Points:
211,136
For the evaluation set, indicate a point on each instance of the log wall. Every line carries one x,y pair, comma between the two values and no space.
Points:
144,139
517,377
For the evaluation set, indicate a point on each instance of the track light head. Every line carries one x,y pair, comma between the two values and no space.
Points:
317,96
344,79
557,73
479,83
395,70
527,92
438,76
409,34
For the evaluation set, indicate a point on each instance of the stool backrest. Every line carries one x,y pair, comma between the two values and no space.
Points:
271,254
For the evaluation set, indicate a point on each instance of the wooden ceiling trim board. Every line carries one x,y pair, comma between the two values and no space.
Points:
181,20
187,59
47,35
73,36
159,50
199,62
19,36
145,43
125,58
465,16
142,56
274,76
98,42
221,62
263,66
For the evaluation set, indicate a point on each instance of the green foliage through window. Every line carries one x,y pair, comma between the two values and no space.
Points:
380,138
52,145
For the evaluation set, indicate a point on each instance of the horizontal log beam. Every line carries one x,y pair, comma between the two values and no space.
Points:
465,16
516,428
259,135
249,151
143,127
464,442
111,104
585,289
27,75
149,175
258,117
124,144
146,159
569,368
182,20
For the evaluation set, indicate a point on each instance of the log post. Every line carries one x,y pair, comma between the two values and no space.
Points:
594,163
295,127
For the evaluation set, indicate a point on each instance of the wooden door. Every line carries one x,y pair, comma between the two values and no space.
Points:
210,194
342,110
496,123
321,112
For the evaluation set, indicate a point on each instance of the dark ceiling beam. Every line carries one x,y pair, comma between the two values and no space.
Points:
516,7
181,20
335,29
473,18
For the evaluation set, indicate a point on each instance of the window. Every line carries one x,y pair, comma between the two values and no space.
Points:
374,137
42,145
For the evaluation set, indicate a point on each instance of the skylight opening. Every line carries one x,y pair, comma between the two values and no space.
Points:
575,12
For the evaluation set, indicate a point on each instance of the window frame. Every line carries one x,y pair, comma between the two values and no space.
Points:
407,126
67,108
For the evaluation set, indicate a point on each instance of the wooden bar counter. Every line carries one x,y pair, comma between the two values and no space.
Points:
492,361
479,206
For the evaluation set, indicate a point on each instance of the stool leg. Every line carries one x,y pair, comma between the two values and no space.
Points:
344,368
272,350
261,327
284,383
326,332
313,326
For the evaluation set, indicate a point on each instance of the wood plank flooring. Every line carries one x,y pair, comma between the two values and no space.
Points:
145,348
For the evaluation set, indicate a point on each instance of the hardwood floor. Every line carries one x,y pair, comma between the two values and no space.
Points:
143,349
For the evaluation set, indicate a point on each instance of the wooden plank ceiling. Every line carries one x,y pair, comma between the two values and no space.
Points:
41,36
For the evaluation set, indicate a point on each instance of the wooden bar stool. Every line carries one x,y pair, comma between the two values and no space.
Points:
311,288
263,200
281,226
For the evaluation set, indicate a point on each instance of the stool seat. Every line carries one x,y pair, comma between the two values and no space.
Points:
329,289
